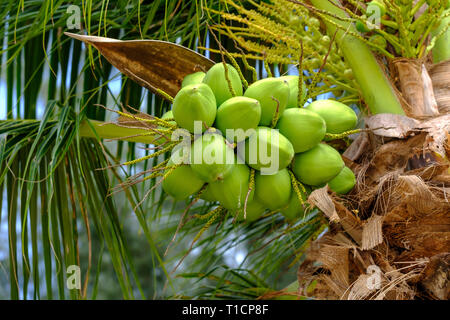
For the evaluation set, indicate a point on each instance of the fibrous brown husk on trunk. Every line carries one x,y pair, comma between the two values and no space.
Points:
390,237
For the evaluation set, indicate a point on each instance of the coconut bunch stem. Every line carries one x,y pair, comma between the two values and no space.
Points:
357,53
335,136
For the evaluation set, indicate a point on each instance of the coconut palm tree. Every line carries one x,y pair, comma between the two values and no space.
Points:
68,202
389,237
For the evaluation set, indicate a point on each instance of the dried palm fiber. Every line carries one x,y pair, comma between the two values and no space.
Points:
397,219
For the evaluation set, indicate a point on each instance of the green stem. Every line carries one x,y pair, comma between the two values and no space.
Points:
104,130
376,88
441,49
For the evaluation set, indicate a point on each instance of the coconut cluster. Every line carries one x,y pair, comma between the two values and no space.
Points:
263,144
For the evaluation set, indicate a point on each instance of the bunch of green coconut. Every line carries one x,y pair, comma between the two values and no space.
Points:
266,118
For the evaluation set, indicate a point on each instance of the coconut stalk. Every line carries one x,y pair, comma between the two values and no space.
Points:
377,90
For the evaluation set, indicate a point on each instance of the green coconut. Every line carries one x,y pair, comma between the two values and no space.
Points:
211,158
195,102
238,114
264,91
207,194
292,292
255,209
295,208
232,191
168,115
215,78
193,78
338,117
343,182
317,165
303,128
181,182
292,81
260,150
361,26
273,191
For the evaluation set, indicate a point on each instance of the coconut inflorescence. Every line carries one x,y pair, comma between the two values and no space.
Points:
317,165
232,191
295,208
253,150
211,158
166,116
181,181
